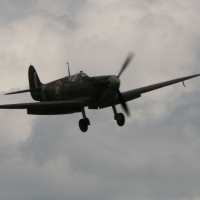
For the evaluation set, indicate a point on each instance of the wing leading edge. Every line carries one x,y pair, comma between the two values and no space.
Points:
133,94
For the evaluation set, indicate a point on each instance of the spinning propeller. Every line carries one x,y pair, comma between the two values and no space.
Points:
114,82
120,96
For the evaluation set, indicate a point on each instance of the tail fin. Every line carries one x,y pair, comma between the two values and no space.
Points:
34,83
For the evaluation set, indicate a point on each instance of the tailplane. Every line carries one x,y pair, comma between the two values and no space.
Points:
34,83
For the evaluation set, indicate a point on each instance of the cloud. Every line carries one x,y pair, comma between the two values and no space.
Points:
156,154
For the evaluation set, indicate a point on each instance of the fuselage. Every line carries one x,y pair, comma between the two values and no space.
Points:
79,86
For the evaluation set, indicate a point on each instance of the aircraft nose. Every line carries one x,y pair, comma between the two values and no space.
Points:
114,83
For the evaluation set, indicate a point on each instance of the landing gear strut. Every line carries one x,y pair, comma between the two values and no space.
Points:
84,123
119,117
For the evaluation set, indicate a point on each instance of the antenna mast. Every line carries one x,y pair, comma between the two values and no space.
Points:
68,68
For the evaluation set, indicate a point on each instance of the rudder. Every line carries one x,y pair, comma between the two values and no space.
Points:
34,83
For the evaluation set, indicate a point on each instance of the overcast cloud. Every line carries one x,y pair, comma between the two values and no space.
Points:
156,155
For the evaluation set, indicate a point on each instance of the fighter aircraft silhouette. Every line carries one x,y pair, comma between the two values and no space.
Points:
73,93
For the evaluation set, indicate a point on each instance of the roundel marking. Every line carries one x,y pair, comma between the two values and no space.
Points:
57,90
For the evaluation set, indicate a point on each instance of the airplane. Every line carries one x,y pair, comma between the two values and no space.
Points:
73,93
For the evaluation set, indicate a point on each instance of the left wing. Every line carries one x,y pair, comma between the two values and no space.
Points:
132,94
136,93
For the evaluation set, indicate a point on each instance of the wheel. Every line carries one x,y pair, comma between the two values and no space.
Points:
83,125
121,119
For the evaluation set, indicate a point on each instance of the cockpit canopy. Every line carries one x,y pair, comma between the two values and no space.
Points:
83,75
77,77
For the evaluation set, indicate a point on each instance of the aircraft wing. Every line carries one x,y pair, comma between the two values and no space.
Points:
47,104
136,93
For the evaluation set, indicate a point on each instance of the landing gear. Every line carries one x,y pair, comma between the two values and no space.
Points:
84,123
119,117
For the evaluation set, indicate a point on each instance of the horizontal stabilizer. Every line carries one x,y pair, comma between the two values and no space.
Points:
23,91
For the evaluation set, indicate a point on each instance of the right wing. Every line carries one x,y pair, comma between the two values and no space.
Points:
47,104
51,107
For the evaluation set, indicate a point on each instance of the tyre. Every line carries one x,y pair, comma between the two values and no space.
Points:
83,125
121,119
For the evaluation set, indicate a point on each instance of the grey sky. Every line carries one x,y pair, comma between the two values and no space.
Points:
155,156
